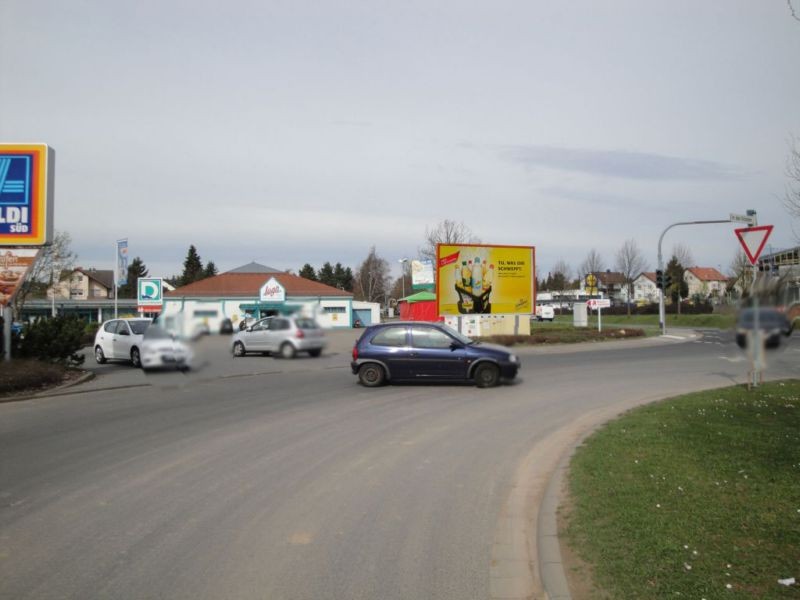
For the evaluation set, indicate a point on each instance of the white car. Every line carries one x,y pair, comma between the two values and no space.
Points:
284,336
120,339
161,349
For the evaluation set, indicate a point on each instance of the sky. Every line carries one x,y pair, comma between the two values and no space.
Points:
293,132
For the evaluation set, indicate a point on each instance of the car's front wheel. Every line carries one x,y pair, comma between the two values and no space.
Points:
136,358
371,375
287,350
238,349
487,375
99,356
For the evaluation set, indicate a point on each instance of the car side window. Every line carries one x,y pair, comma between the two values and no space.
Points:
391,336
122,327
260,325
428,337
279,325
111,327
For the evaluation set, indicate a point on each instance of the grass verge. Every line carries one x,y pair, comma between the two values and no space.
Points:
711,321
26,375
693,497
560,334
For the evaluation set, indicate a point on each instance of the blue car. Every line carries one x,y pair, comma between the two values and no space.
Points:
393,352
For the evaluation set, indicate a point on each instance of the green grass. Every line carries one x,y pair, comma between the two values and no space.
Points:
688,496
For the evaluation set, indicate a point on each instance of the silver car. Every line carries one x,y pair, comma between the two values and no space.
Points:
283,335
162,349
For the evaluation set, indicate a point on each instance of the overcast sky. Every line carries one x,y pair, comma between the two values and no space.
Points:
292,132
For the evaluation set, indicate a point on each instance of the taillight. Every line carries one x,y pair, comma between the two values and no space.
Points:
355,352
299,334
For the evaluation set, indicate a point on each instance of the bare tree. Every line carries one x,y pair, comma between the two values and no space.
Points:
683,253
446,232
742,270
791,200
372,278
593,263
630,263
53,261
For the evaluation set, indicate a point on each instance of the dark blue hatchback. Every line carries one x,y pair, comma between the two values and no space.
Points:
428,352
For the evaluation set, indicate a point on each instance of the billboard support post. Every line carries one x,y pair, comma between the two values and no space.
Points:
7,333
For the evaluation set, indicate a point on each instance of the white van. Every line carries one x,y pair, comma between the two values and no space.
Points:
545,313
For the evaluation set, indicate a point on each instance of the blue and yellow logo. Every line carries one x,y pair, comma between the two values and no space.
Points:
24,210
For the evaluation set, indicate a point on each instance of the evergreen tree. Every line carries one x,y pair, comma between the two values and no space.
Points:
343,277
679,288
210,270
136,269
326,275
192,267
308,272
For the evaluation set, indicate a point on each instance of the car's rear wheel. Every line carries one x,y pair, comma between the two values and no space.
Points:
287,350
487,375
136,358
238,349
315,353
99,356
371,375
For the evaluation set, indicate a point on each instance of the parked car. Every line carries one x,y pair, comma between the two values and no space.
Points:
283,335
773,323
161,349
418,351
226,326
120,339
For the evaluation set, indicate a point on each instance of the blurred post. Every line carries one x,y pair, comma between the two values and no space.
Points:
7,312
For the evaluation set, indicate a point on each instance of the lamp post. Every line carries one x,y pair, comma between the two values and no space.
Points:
403,262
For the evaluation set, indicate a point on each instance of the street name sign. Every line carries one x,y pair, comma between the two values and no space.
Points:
742,219
753,240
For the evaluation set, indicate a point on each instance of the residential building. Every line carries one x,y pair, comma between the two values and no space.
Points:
644,287
706,282
84,284
612,285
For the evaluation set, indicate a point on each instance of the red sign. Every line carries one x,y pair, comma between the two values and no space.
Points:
599,303
753,240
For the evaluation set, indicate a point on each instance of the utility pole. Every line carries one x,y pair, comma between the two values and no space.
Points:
750,218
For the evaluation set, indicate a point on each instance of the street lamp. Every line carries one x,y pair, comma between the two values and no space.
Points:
403,262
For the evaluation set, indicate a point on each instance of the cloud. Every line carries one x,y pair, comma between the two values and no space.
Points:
616,163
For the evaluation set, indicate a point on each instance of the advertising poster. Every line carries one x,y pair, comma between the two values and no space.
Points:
122,262
26,194
422,274
483,279
14,265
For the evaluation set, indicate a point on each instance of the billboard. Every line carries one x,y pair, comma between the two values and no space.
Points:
484,279
26,194
422,274
14,266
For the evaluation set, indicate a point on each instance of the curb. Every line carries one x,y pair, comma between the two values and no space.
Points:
56,391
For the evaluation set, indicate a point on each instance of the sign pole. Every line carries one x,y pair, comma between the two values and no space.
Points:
7,333
599,318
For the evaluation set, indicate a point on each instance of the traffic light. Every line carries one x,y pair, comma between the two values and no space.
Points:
660,279
667,280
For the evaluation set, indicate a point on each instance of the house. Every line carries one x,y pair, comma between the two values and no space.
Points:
84,284
258,291
612,285
644,287
705,282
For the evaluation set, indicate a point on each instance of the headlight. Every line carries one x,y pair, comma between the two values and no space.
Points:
512,358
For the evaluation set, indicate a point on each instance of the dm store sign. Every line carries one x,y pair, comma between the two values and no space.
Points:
26,184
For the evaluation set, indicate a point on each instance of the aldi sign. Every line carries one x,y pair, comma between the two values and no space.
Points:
26,194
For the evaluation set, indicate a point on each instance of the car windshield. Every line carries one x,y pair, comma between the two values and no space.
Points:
139,327
154,332
306,323
766,318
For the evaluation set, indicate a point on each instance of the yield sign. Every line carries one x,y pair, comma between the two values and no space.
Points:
753,240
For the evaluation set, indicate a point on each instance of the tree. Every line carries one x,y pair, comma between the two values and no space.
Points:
630,263
192,267
560,276
678,289
593,263
210,270
308,272
54,260
446,232
326,275
683,254
136,269
372,278
343,277
742,271
791,200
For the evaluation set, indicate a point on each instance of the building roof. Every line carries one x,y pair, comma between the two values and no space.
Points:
607,278
254,267
707,274
249,284
651,275
104,277
419,297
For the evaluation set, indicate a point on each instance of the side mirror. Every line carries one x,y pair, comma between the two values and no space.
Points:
248,328
456,346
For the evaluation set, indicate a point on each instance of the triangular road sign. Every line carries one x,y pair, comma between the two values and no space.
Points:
753,240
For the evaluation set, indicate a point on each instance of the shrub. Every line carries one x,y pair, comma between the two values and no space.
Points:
20,374
55,340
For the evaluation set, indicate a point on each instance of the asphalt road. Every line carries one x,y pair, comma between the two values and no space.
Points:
265,478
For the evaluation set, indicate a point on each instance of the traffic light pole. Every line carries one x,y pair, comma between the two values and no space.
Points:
662,321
